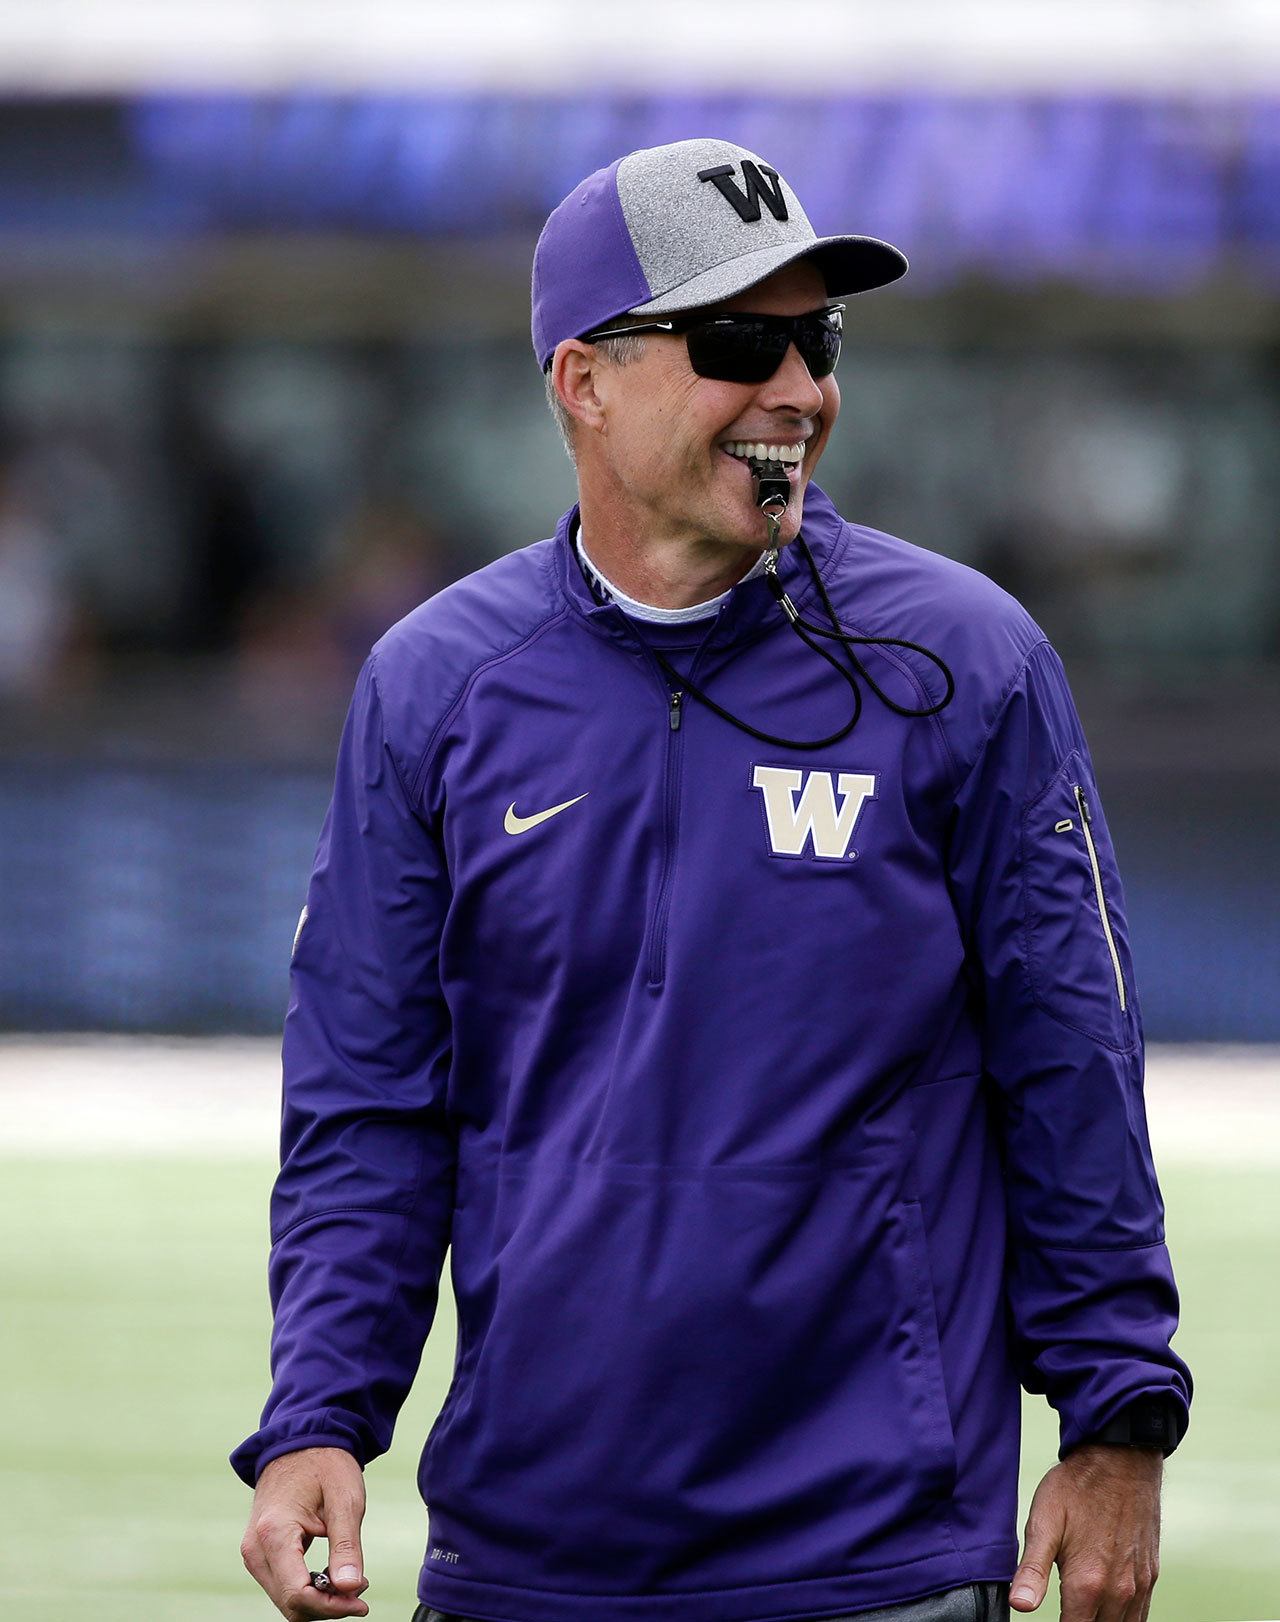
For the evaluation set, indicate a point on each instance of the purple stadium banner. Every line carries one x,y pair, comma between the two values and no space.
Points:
1151,193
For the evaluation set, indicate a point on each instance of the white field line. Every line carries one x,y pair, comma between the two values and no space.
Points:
139,1095
150,1095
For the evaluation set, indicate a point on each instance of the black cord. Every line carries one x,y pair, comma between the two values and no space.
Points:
806,630
768,737
873,641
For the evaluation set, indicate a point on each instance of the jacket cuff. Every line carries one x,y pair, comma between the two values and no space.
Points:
1151,1405
326,1427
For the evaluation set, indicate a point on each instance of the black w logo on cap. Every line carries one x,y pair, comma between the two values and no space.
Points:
759,190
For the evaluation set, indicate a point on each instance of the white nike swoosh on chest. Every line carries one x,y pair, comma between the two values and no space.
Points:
519,825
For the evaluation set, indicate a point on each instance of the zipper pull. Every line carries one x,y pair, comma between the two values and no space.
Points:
674,712
1084,806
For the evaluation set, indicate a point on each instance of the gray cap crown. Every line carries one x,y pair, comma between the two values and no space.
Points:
709,219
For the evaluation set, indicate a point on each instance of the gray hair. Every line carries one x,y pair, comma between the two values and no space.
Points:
615,352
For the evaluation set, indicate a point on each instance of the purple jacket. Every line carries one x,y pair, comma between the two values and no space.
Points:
781,1110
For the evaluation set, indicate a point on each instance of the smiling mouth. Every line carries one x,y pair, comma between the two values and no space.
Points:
778,461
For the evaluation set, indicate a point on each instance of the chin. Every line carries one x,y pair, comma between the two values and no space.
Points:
752,532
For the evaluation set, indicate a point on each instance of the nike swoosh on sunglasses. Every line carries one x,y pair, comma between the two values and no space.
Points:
746,348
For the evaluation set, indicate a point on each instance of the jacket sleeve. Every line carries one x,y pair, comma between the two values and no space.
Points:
362,1206
1090,1287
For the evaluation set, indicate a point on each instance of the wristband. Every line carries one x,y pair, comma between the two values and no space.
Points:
1150,1421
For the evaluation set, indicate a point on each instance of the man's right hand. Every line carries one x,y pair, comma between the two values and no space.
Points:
317,1492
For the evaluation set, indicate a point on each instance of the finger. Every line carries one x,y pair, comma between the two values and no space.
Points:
313,1604
289,1581
1140,1610
324,1582
1119,1598
1084,1594
346,1562
254,1557
1040,1549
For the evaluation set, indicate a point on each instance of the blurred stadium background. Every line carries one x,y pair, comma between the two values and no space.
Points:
263,278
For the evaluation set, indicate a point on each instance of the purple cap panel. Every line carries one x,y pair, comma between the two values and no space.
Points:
585,268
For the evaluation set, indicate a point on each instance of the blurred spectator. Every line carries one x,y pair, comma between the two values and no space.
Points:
388,561
45,646
226,554
301,646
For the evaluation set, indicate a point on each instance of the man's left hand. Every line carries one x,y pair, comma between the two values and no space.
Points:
1097,1513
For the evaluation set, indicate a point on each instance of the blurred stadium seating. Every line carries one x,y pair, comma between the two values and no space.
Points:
257,277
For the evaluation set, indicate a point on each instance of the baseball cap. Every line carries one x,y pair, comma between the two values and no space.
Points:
676,227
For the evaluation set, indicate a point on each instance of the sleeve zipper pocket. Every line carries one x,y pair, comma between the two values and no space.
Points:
1086,821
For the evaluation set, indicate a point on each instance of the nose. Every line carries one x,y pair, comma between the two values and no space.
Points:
792,387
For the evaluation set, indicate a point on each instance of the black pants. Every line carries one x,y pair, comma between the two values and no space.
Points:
975,1602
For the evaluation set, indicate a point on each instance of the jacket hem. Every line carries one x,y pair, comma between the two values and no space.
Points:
761,1602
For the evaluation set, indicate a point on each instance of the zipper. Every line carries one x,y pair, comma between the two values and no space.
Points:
1086,824
657,955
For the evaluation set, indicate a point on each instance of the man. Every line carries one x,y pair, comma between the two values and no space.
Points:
715,941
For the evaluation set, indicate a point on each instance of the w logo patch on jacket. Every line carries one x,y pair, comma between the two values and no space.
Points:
801,808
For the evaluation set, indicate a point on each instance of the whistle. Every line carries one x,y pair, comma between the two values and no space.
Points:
773,491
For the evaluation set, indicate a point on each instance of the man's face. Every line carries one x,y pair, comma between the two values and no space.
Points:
666,427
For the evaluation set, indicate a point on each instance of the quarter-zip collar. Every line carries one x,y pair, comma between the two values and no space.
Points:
750,608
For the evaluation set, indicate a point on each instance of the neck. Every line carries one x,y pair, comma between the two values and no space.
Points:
663,571
637,609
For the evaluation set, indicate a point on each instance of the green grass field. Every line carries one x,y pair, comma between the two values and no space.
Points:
135,1357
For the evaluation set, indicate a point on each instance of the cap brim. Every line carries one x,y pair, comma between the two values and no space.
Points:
848,265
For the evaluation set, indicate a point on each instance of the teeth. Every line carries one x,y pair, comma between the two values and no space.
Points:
761,452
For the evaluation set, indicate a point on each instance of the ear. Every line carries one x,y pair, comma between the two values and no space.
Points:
573,374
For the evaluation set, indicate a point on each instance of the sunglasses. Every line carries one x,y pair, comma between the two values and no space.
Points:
748,348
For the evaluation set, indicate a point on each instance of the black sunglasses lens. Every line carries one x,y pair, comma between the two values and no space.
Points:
818,341
736,351
751,350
